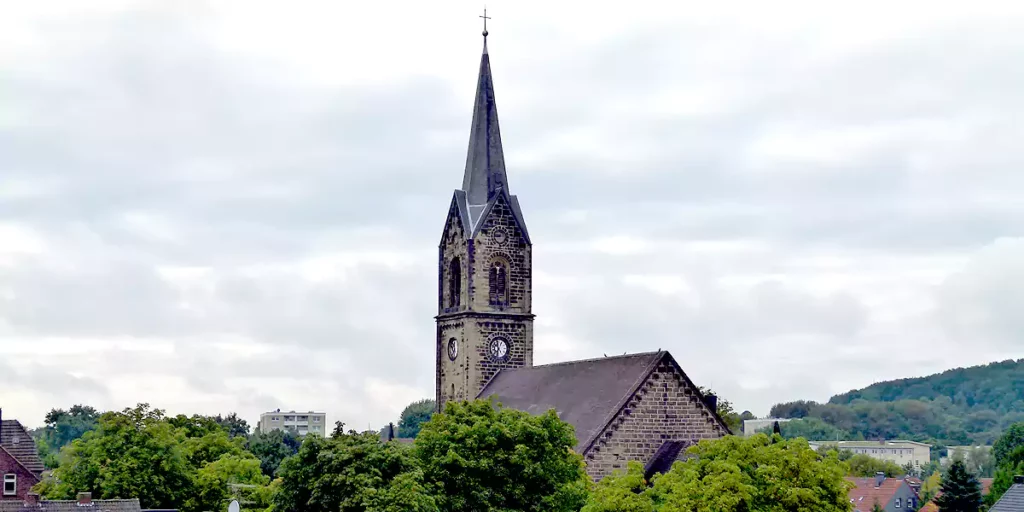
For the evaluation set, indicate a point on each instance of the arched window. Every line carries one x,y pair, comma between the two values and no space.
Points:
498,280
454,283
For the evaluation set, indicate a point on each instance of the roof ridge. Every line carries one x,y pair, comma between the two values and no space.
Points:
592,359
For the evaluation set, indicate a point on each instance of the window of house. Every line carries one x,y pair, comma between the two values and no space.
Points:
10,484
316,419
498,280
897,503
454,283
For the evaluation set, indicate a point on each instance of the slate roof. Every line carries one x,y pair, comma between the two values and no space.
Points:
485,179
587,393
863,496
17,441
663,459
131,505
1012,500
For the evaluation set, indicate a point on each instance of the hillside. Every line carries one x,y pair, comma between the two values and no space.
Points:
960,406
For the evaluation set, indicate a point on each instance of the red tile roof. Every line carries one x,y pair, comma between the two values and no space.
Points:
929,507
866,494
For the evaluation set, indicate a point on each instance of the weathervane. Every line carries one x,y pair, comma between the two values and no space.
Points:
485,17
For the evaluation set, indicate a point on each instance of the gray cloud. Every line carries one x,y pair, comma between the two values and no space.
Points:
266,239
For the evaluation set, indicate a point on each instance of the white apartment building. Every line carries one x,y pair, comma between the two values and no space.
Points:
900,452
300,423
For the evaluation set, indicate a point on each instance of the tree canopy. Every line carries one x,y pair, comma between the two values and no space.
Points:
960,406
188,463
961,491
414,415
732,474
482,456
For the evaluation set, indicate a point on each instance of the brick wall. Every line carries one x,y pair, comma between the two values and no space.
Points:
26,479
665,408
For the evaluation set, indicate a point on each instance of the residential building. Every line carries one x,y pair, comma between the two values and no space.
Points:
750,427
32,503
891,494
300,423
899,452
1013,499
19,462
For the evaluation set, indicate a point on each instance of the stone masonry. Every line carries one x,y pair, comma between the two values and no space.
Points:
476,322
665,408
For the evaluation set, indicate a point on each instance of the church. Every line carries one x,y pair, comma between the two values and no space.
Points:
637,407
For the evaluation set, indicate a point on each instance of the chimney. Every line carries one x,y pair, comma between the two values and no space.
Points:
879,478
1018,479
712,401
31,499
391,431
85,498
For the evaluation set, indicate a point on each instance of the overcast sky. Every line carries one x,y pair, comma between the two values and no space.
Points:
235,206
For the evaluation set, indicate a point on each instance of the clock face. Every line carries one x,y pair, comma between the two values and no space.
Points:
453,349
499,349
499,235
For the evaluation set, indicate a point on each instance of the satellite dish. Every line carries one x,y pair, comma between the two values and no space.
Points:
233,507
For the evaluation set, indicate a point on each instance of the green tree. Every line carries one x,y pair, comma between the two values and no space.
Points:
1002,482
1010,445
135,453
733,474
61,428
272,448
482,456
215,480
961,491
353,472
413,416
865,465
930,486
235,426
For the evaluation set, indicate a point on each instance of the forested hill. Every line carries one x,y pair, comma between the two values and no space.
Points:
959,406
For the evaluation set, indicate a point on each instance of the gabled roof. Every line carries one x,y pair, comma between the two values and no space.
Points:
588,394
864,496
17,441
1011,501
131,505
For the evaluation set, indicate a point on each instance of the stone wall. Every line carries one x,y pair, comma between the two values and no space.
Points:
664,409
509,246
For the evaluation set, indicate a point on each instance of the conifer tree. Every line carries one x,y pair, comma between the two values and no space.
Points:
961,491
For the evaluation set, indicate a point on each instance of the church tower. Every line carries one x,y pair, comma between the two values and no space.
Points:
484,319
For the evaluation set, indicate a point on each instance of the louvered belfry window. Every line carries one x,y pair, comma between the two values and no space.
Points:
498,278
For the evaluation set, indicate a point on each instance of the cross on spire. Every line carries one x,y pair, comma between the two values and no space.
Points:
485,18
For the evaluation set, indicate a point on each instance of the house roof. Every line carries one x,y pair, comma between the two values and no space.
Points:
131,505
866,493
587,393
1012,500
17,441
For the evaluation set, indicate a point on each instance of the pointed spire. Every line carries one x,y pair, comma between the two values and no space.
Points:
485,162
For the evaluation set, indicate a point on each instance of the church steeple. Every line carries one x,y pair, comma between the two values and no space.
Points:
485,162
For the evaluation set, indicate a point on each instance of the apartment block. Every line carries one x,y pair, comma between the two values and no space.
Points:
900,452
300,423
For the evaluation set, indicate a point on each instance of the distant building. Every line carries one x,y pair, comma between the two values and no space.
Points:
300,423
32,503
891,494
899,452
750,427
19,462
964,452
